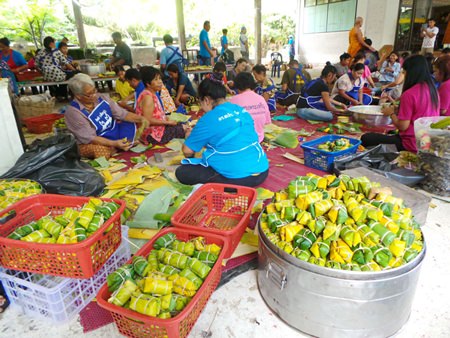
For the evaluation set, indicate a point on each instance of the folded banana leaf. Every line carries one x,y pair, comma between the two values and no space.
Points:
350,267
140,266
288,232
350,235
371,266
167,269
333,265
299,187
331,231
303,255
397,247
152,260
168,303
304,217
317,261
108,209
175,259
35,235
180,301
338,214
118,277
320,208
410,254
340,252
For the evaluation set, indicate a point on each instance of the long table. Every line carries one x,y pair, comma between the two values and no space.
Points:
33,83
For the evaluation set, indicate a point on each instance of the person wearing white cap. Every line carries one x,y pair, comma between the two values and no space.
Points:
244,43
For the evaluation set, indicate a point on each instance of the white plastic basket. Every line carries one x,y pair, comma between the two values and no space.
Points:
59,299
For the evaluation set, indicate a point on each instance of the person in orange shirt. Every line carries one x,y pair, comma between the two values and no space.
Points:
356,38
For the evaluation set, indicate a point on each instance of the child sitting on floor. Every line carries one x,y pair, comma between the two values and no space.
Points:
123,88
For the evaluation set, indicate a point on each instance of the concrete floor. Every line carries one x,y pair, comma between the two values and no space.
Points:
237,309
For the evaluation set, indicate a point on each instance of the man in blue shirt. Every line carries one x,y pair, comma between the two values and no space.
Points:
170,54
224,41
206,52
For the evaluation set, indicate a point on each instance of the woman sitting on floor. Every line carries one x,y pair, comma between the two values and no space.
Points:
265,86
232,153
252,102
150,106
180,86
315,102
240,66
442,75
93,120
390,69
367,75
419,99
348,89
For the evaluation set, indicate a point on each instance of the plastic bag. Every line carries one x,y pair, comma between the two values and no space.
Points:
433,141
55,163
379,159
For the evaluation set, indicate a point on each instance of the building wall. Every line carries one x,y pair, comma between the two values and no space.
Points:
380,21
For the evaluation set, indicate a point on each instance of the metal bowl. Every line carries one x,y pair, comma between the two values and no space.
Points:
369,116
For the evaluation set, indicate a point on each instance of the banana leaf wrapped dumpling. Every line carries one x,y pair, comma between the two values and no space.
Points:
200,269
333,265
187,273
317,261
86,214
206,257
164,241
381,255
304,239
35,235
362,254
300,187
321,248
368,236
158,286
52,227
289,213
370,266
397,247
140,265
288,231
338,214
145,304
320,208
350,235
168,302
119,276
186,248
123,293
386,235
108,209
350,267
152,260
331,231
303,255
24,230
340,252
175,259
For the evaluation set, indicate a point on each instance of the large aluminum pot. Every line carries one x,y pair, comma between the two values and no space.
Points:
369,116
92,69
325,302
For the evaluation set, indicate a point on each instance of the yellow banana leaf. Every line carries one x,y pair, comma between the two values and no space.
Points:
153,184
397,247
175,160
250,238
142,233
288,232
343,250
258,207
264,194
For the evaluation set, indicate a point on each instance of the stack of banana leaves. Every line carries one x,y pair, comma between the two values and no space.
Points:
150,196
275,136
164,282
342,223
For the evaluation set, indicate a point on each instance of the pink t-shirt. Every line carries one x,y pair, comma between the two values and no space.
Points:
415,103
257,106
444,96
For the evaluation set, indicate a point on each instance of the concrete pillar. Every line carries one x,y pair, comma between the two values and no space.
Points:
180,24
258,31
79,23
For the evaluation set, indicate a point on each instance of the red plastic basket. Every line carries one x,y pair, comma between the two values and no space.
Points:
41,124
220,209
134,324
78,260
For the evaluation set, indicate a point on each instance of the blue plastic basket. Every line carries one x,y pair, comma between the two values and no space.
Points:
323,160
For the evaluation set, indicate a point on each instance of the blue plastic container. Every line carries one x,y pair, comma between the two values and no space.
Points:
323,160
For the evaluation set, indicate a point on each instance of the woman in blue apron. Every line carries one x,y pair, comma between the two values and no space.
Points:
315,103
232,152
99,125
348,88
265,86
292,83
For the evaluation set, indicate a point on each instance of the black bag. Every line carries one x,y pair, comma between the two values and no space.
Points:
55,163
228,57
379,159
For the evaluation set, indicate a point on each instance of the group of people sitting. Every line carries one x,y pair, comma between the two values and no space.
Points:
230,131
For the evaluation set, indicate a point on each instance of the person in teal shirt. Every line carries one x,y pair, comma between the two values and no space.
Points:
232,153
224,41
206,52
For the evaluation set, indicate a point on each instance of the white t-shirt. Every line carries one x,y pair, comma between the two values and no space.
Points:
429,42
243,39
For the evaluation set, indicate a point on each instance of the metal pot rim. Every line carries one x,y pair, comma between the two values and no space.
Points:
342,274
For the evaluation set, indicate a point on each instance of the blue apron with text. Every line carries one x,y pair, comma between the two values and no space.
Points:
105,124
314,102
211,151
354,93
272,103
280,95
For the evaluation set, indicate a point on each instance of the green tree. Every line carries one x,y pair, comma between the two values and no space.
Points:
32,22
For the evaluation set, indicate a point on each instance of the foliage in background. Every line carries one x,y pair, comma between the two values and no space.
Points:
32,22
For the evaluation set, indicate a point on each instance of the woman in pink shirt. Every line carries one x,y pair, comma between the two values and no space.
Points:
442,75
255,104
419,99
